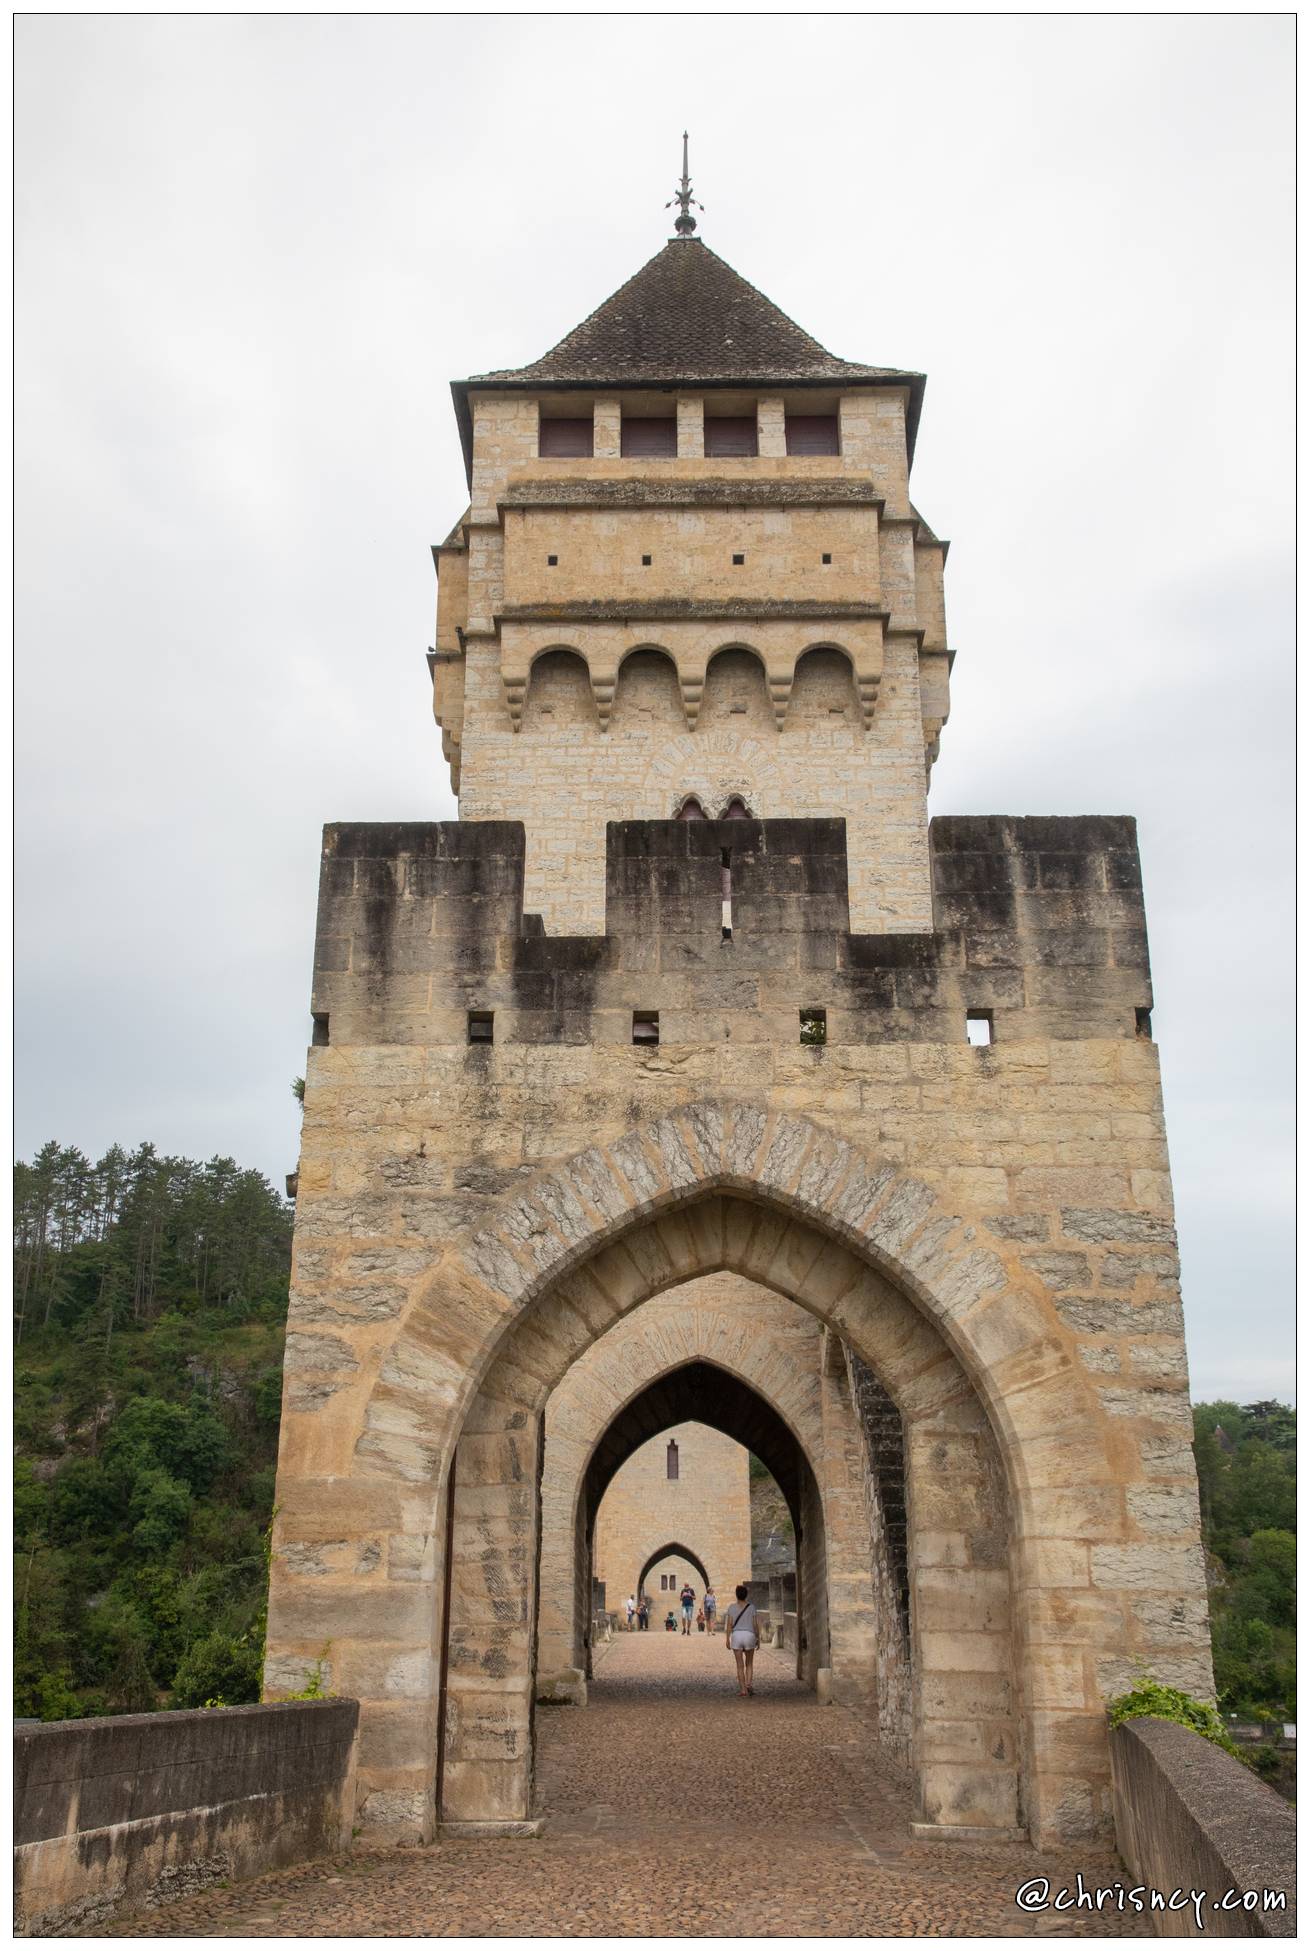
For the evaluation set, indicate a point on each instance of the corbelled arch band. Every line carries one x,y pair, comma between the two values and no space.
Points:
601,671
968,1354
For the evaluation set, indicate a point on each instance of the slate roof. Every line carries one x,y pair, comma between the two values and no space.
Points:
687,315
688,318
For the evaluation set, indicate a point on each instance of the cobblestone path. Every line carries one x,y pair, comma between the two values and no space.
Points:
674,1809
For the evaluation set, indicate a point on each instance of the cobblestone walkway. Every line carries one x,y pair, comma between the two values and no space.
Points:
675,1809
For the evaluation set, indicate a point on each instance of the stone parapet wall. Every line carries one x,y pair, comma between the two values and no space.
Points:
1189,1817
131,1811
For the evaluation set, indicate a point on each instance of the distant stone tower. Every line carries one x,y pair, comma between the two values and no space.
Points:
691,1029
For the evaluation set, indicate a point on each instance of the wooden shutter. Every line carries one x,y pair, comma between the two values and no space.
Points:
734,434
812,433
565,439
649,439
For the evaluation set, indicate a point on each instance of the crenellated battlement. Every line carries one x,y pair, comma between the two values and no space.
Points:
727,930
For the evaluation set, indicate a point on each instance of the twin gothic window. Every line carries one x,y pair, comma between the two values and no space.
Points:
736,809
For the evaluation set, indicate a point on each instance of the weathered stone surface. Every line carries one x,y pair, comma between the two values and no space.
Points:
138,1809
1190,1817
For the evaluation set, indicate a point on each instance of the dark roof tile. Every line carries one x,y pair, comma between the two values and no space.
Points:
687,315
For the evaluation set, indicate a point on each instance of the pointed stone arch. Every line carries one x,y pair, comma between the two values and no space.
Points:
947,1314
755,1341
672,1551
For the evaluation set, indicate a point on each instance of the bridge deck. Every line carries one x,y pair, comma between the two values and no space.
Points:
675,1808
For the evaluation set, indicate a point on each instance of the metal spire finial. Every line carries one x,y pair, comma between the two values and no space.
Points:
684,223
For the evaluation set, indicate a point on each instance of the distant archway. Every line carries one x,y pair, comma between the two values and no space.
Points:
672,1551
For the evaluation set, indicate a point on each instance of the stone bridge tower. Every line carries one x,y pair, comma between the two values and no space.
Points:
694,1075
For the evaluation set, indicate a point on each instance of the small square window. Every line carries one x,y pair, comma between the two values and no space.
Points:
320,1035
827,558
978,1028
737,561
814,1026
813,433
645,1026
482,1026
552,561
734,435
1142,1018
654,439
566,439
645,562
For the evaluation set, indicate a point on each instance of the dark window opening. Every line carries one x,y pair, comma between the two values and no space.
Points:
737,561
812,433
671,1464
732,434
652,438
319,1035
645,1026
814,1026
552,561
482,1026
725,869
691,809
978,1028
736,809
1143,1017
827,558
565,440
645,562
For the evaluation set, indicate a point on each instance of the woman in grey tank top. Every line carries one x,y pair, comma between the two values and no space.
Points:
741,1630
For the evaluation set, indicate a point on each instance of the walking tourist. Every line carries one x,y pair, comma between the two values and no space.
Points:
670,1624
630,1607
643,1614
711,1607
700,1620
688,1598
741,1630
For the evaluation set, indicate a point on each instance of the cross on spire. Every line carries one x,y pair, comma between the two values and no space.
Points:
684,223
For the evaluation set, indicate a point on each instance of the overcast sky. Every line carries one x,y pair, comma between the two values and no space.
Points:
251,254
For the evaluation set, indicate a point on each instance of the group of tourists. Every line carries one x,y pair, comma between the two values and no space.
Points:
740,1626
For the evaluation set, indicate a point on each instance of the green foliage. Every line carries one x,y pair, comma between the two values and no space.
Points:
150,1301
1148,1700
1246,1469
218,1670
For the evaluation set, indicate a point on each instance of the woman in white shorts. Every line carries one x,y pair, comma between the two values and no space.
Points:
741,1630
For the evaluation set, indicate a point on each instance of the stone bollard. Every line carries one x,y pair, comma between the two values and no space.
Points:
567,1688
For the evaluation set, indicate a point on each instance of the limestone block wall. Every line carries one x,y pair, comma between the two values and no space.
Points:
778,557
1010,1204
707,1509
564,775
882,1470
